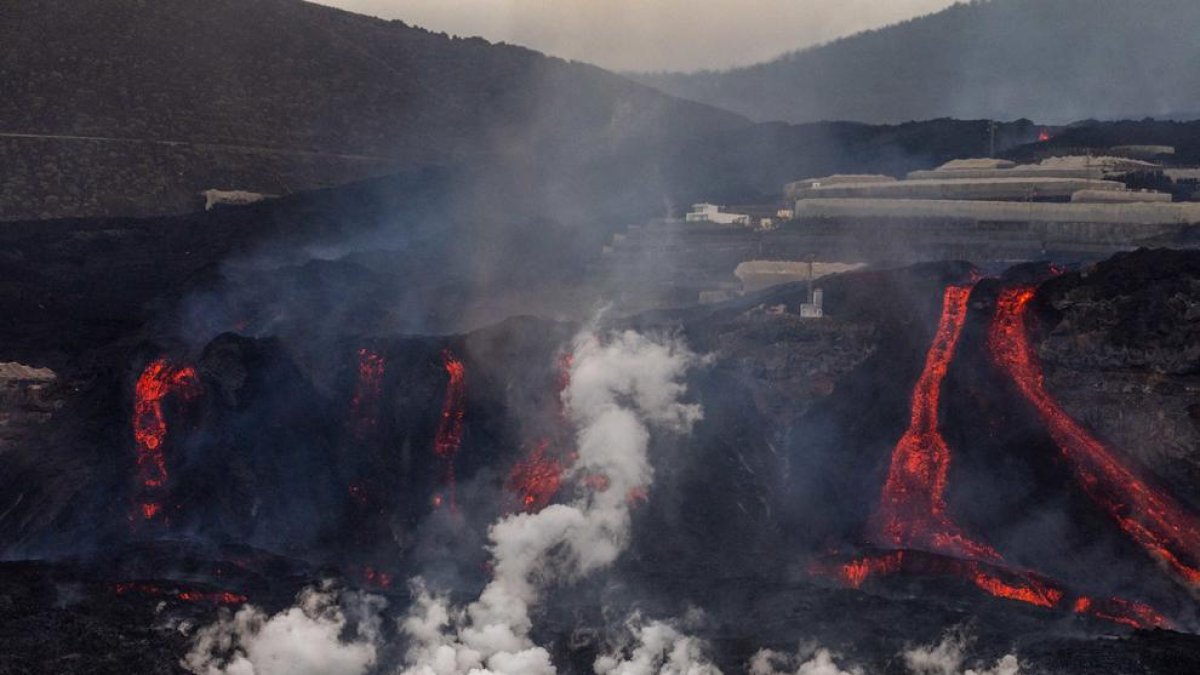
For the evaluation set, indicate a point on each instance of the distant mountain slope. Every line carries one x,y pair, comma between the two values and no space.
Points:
1050,60
132,106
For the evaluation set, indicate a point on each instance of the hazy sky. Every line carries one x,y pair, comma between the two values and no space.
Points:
651,34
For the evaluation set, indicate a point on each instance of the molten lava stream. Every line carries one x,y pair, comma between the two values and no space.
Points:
450,426
158,381
912,509
1155,521
364,405
996,580
536,479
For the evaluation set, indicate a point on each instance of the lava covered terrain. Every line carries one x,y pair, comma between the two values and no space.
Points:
1009,453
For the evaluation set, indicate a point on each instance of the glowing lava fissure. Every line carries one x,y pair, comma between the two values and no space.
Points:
1153,520
912,510
536,479
158,381
194,596
450,426
368,390
996,580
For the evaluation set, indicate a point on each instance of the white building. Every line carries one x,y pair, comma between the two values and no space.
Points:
815,307
713,214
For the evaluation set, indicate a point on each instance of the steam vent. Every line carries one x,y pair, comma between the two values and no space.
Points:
586,338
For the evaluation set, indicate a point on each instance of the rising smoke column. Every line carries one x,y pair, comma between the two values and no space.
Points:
947,658
912,509
313,637
656,648
158,381
1155,521
619,388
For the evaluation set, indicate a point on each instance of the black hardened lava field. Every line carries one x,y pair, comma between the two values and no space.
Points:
933,453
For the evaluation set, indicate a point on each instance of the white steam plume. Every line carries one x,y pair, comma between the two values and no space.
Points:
812,661
619,386
946,658
658,648
302,640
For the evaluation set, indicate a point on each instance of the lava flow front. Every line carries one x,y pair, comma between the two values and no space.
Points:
158,381
1153,520
912,509
450,426
994,579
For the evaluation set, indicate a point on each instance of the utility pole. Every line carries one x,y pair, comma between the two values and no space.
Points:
810,278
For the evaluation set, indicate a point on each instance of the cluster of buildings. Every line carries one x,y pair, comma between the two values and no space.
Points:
1073,208
1057,190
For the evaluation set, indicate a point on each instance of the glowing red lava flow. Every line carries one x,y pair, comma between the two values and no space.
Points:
912,512
207,597
537,479
997,581
912,509
1153,520
450,426
364,405
158,381
1126,612
1044,136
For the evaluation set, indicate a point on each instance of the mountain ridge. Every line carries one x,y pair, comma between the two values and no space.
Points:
229,92
1051,60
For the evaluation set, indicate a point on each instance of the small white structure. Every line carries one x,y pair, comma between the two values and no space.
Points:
815,307
712,213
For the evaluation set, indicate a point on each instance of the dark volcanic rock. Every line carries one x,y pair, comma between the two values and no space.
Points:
1122,350
286,450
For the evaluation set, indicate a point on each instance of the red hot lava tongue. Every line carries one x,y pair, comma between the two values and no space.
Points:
996,580
912,509
159,380
1153,520
450,426
536,479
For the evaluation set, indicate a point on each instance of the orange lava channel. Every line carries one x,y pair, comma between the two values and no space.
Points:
912,509
1152,519
450,426
158,381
